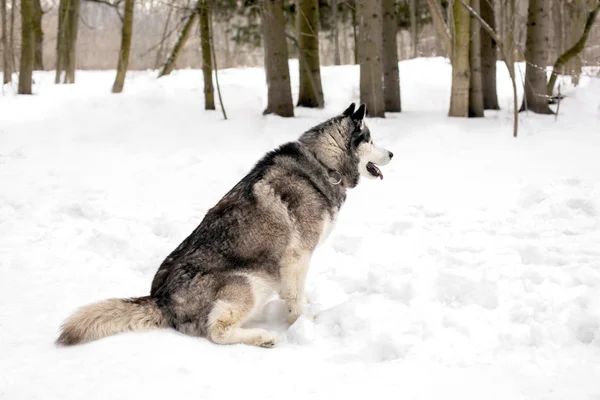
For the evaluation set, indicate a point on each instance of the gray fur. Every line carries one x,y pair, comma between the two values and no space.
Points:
259,236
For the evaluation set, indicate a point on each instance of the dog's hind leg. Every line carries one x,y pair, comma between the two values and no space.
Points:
236,302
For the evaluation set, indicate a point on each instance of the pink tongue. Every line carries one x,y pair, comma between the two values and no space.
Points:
378,171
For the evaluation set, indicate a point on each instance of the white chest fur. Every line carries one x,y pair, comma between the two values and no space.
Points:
328,225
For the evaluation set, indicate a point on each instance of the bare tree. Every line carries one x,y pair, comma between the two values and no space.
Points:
335,33
413,27
475,87
205,40
354,29
370,48
489,56
125,47
169,65
279,95
72,30
38,13
6,56
214,59
461,71
11,37
61,40
536,55
391,75
66,40
574,50
307,18
27,47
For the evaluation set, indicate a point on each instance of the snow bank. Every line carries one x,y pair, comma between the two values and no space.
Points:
471,271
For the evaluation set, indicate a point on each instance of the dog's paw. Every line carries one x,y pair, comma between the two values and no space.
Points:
268,340
264,338
269,343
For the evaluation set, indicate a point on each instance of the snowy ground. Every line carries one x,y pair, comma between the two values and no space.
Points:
471,271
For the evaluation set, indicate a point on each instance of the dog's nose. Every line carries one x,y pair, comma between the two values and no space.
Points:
391,155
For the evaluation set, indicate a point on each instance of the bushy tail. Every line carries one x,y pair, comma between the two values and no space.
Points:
109,317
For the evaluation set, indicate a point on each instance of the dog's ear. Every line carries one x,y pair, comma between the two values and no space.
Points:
359,115
348,112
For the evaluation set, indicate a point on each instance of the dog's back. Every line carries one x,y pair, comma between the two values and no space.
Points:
279,205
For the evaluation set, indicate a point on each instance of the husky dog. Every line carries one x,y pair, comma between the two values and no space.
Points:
258,240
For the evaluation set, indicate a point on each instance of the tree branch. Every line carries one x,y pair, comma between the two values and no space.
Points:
440,26
574,50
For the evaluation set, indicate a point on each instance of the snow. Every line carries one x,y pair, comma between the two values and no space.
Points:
471,271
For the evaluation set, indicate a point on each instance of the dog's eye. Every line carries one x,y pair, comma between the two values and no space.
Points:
358,138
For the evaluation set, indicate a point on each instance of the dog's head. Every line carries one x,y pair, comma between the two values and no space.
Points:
345,146
370,156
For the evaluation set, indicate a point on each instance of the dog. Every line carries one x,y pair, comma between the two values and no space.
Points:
256,241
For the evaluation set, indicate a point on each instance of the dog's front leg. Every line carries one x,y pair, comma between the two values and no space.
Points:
293,276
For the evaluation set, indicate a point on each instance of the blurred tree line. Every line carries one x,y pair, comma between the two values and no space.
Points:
66,35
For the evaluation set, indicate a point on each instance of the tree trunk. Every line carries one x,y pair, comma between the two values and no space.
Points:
335,33
277,70
66,40
27,47
11,37
489,56
61,42
207,68
169,65
370,48
575,13
6,57
226,32
71,40
413,27
391,75
475,89
345,46
509,55
461,72
561,27
38,63
501,19
214,63
354,33
556,31
125,47
536,54
307,18
574,50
